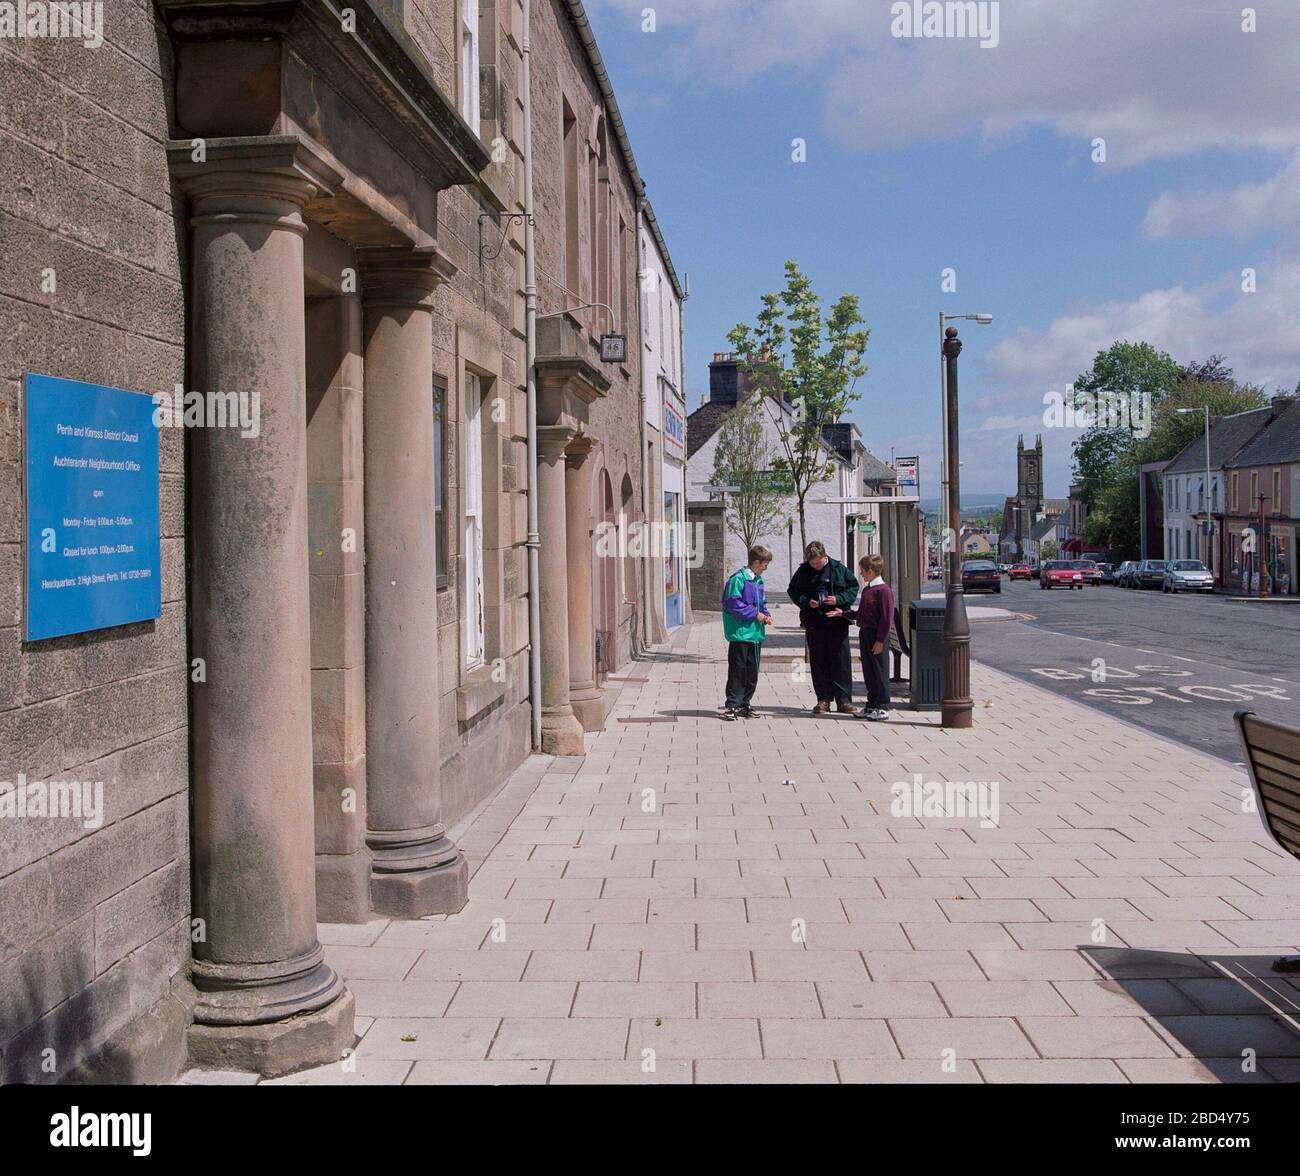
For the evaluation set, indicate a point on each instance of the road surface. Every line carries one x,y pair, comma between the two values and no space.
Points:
1177,665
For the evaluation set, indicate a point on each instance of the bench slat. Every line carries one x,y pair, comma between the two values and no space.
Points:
1273,755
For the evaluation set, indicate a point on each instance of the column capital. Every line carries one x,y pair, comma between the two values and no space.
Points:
577,451
553,440
403,275
268,178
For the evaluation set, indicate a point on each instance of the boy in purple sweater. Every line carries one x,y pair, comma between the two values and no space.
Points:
875,615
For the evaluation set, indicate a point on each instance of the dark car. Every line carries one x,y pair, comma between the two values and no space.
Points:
1124,573
1149,573
1090,569
1106,574
980,575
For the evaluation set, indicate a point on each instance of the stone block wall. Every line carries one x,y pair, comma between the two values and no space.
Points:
94,928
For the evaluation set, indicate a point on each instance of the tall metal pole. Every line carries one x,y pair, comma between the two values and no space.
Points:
1209,512
944,523
956,707
530,363
1261,549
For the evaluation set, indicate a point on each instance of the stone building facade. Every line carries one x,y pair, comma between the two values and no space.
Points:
313,202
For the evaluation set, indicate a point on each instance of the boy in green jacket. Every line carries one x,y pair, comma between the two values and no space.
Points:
744,623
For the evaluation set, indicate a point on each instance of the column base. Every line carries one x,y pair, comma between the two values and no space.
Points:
441,888
561,733
342,887
588,703
277,1047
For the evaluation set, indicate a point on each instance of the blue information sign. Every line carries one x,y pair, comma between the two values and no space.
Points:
92,546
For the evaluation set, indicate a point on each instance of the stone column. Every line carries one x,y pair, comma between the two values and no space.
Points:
561,731
585,697
415,869
267,1000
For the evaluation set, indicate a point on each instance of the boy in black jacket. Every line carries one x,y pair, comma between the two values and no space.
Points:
820,586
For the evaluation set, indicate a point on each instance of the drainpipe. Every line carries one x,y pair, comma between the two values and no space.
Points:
530,364
646,576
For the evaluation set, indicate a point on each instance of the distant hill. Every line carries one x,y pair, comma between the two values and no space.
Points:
970,503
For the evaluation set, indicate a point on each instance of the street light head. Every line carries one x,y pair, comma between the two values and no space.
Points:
982,319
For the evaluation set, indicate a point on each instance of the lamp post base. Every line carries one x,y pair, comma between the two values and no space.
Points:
957,708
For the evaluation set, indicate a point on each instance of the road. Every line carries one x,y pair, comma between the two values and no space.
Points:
1177,665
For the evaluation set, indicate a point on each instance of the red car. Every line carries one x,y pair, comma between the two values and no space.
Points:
1060,573
1021,572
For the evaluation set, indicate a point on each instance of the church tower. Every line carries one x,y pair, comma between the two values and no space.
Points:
1029,475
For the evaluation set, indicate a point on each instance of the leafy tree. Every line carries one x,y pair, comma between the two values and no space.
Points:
810,360
1108,457
1135,374
744,458
1048,550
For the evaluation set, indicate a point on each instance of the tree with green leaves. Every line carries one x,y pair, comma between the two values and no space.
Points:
744,458
1108,457
811,361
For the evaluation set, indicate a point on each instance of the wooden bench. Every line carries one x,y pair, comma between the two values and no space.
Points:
1273,757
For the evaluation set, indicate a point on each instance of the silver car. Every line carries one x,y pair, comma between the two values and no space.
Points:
1187,575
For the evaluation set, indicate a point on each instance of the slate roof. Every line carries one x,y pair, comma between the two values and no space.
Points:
1228,435
1277,444
703,423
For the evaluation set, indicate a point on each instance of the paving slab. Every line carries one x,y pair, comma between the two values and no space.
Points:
781,911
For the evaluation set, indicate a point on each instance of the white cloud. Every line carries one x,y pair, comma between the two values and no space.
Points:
1239,212
1156,80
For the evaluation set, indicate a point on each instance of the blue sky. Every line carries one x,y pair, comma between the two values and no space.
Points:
931,153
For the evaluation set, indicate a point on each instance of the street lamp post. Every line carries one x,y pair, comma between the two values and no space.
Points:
956,708
1209,514
949,523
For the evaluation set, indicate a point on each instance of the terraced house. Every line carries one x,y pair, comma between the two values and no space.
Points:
320,209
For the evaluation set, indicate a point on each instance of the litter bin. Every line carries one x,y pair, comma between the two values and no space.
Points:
925,625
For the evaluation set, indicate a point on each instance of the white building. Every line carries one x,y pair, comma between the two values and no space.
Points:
1184,486
663,396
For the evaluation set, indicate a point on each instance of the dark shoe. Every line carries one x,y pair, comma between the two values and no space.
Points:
822,708
729,714
846,708
747,712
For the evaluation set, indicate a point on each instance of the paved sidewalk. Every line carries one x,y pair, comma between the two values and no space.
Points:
710,902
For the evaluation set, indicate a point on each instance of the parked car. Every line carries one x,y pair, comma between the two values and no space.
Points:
1187,575
1036,570
1091,572
980,575
1020,572
1004,568
1060,573
1150,573
1124,573
1107,573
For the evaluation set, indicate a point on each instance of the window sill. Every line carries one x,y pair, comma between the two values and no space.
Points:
477,693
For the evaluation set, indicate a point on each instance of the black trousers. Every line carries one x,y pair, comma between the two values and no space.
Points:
875,670
742,671
832,664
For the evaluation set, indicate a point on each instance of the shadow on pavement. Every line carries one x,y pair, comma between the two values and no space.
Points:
1232,1013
